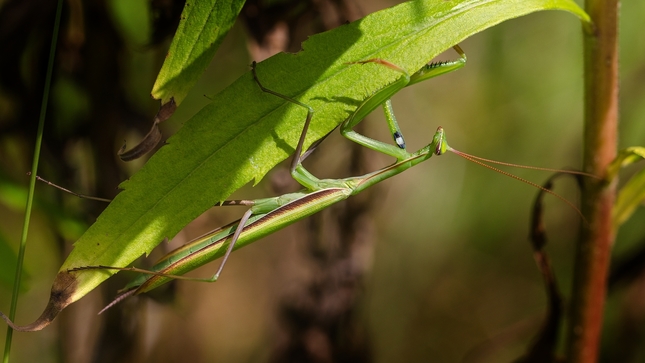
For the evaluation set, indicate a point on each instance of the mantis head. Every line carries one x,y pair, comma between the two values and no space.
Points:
439,141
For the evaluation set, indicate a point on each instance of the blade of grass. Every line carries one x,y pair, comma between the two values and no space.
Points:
32,181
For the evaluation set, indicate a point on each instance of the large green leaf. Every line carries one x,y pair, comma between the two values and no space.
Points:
243,133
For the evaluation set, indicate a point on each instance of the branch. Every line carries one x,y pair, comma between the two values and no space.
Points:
600,141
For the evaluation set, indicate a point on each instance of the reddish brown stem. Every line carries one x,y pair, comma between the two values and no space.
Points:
600,141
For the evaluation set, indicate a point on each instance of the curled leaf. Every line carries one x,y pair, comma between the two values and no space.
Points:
153,137
625,157
60,297
543,348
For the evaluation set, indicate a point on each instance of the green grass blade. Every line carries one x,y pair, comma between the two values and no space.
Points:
243,133
32,182
202,28
8,262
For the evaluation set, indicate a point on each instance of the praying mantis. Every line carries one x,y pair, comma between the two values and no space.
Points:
268,215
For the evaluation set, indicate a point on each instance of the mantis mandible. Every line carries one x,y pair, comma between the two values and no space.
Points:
268,215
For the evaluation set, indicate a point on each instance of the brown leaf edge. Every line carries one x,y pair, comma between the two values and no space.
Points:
63,288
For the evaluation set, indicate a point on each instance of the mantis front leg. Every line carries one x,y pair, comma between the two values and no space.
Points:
383,97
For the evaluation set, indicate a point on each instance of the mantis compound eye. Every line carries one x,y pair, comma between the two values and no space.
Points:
439,139
438,150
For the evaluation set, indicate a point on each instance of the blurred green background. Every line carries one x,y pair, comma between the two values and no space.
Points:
450,274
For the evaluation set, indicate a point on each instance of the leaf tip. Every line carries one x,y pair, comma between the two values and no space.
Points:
61,296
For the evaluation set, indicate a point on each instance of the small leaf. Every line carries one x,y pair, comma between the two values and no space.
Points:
630,196
202,28
625,157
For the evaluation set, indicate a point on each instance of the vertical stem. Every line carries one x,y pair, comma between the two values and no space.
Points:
600,143
32,183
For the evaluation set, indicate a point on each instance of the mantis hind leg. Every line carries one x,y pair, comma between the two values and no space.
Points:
236,235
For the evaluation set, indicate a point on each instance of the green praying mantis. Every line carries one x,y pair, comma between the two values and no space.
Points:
268,215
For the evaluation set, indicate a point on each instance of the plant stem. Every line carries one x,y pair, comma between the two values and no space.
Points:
32,182
600,144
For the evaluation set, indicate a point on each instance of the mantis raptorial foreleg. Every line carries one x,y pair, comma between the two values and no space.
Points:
383,97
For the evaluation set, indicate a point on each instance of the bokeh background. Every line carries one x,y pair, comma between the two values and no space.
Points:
445,270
